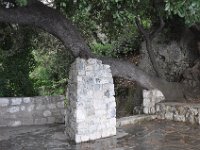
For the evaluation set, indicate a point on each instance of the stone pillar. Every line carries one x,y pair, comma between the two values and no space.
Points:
150,99
91,108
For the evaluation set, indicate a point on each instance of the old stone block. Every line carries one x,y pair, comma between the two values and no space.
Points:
30,108
179,118
16,101
78,139
89,68
147,94
15,123
146,110
194,111
51,120
158,108
22,108
85,138
40,121
101,81
47,113
13,109
26,100
169,115
80,115
60,104
4,102
52,106
146,102
152,110
41,107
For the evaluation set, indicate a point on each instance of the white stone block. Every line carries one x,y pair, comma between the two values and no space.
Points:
79,79
13,109
146,94
146,102
27,100
93,136
107,66
78,138
60,104
52,106
80,115
30,108
22,108
41,107
16,101
16,123
105,133
112,122
84,138
169,116
146,110
46,113
4,102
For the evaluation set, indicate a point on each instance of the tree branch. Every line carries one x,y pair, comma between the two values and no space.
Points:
50,20
141,28
162,24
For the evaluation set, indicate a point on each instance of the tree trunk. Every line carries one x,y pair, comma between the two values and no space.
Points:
50,20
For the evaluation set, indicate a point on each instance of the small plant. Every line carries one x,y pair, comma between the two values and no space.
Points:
103,49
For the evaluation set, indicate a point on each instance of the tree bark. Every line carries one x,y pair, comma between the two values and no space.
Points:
38,15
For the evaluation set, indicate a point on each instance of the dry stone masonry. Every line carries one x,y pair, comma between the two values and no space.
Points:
153,103
179,112
91,109
31,110
150,99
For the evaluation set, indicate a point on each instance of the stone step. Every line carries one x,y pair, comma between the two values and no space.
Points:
185,112
134,119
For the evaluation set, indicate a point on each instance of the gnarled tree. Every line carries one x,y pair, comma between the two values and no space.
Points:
37,14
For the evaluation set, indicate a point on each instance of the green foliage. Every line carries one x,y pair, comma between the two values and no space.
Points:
16,61
53,62
103,49
22,2
187,9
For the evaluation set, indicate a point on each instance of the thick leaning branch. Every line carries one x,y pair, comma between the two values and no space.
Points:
148,41
172,91
53,22
50,20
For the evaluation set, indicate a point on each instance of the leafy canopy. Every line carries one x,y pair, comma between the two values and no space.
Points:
187,9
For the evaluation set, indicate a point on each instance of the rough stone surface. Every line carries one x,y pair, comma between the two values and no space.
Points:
150,99
131,120
183,112
91,110
148,135
31,110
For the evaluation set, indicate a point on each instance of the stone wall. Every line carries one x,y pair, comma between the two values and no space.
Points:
179,112
150,99
91,109
31,110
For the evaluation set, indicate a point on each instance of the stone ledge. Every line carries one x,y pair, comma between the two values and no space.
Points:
185,112
134,119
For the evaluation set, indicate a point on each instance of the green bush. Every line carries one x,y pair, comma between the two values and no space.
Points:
103,49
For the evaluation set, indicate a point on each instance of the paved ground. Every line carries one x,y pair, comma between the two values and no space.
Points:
151,135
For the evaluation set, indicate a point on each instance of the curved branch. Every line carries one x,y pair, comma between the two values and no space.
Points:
148,46
162,24
141,28
50,20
